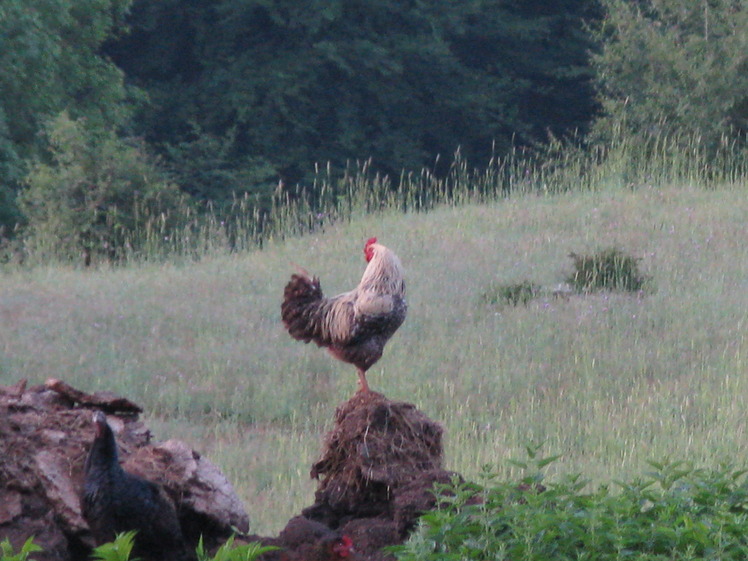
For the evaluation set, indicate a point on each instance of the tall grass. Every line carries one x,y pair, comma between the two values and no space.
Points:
556,167
607,380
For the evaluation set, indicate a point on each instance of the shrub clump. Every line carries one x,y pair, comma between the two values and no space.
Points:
608,269
674,512
97,197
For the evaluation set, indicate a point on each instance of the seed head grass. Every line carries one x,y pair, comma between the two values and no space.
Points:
608,380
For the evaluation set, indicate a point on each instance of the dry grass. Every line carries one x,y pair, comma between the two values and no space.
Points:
608,380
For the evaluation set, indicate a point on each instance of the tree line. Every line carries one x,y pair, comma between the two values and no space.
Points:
111,110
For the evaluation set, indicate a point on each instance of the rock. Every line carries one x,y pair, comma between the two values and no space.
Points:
105,401
204,492
10,506
53,471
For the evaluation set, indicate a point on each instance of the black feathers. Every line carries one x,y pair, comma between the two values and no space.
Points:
115,501
302,299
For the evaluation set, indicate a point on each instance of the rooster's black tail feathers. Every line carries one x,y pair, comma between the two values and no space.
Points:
301,299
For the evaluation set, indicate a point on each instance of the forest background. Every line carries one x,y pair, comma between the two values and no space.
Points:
116,115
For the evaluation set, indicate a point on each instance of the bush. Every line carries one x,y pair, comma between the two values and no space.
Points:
674,512
95,198
609,269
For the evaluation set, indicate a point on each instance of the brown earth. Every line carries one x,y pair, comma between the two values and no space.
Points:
376,471
378,466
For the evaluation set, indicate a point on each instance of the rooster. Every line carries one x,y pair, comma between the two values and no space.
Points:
355,325
307,540
115,501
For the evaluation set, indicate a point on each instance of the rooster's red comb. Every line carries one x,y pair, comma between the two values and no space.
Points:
368,250
344,547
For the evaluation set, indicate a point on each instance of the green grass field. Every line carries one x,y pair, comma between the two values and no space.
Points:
608,380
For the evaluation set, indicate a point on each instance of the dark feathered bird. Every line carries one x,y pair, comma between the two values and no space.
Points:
307,540
115,501
355,325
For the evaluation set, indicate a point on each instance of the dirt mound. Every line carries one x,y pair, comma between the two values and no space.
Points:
45,433
376,472
379,464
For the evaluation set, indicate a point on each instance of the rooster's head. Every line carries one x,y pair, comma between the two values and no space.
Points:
343,547
369,249
99,420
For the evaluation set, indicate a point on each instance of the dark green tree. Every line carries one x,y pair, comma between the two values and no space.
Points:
96,199
674,66
281,85
50,62
546,47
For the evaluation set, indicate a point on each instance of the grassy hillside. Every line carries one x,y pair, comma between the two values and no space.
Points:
607,380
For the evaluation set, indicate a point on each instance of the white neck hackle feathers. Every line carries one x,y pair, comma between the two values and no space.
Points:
384,273
383,279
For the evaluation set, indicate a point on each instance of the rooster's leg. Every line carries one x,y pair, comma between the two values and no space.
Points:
363,385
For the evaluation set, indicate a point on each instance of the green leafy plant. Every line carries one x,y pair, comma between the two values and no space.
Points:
117,550
227,552
121,548
673,512
7,554
608,269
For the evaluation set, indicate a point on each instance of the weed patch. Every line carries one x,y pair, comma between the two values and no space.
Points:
608,269
512,294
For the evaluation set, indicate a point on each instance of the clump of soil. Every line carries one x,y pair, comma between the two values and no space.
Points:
378,467
45,434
